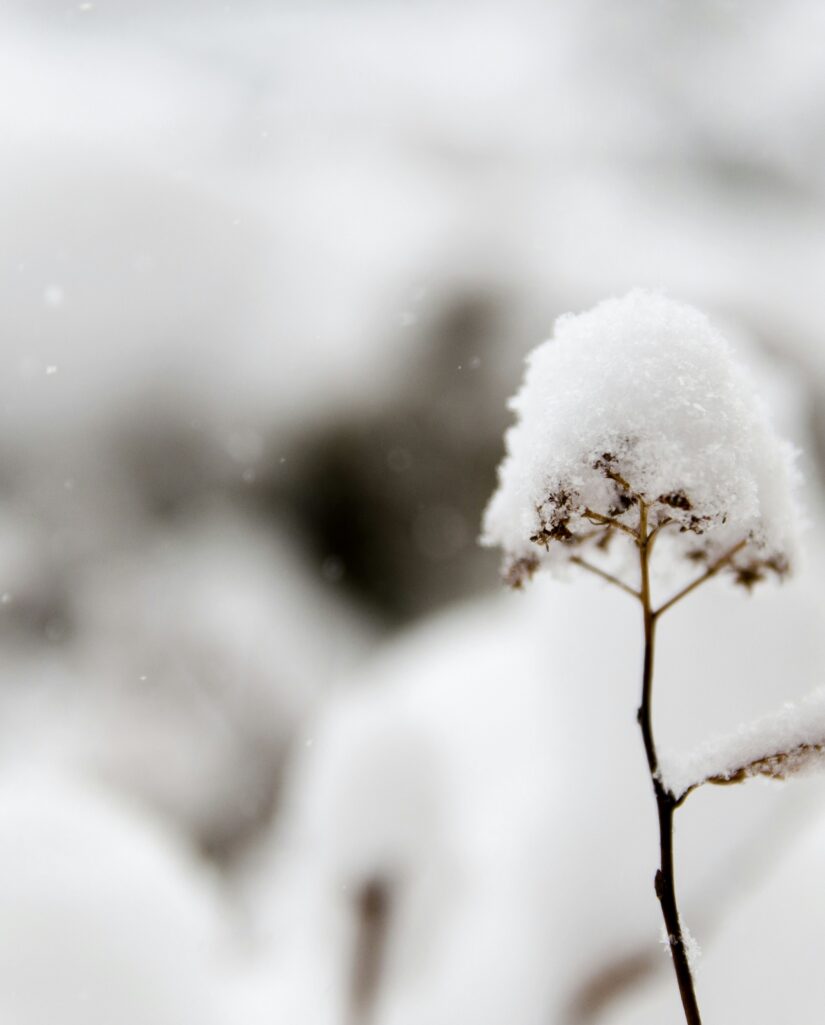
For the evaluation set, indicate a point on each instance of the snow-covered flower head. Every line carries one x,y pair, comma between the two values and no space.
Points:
639,403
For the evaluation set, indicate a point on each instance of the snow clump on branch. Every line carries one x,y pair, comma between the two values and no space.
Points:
639,402
785,743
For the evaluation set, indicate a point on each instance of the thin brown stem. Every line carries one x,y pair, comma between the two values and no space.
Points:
608,521
666,803
712,570
618,479
655,533
604,575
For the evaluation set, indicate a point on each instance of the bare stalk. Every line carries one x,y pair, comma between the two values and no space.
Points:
608,521
599,572
666,803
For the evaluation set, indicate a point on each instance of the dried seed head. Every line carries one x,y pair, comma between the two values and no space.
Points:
640,400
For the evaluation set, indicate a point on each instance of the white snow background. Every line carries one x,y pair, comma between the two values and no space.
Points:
268,273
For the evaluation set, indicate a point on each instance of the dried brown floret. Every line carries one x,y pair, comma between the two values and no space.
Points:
778,765
676,500
558,532
748,576
778,564
607,464
519,571
622,504
697,555
696,525
606,537
555,529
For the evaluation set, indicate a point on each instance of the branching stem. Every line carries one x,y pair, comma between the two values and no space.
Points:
713,569
666,803
604,575
654,533
609,521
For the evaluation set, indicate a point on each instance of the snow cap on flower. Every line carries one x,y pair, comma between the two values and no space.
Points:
640,400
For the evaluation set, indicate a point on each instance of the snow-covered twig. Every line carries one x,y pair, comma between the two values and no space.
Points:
785,743
632,418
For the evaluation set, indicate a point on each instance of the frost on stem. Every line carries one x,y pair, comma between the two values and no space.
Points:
639,399
692,948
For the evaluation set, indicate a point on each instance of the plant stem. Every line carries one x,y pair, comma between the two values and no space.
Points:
608,521
723,560
666,803
599,572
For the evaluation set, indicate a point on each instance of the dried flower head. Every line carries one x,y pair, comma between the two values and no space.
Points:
639,400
